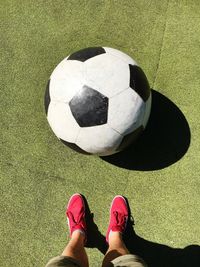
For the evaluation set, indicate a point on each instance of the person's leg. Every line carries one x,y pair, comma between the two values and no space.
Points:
77,226
116,248
75,249
118,219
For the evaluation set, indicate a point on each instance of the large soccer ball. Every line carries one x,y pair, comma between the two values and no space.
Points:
98,101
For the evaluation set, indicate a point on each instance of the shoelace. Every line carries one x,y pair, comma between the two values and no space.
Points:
121,220
75,222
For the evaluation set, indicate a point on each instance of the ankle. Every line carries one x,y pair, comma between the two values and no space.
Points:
78,236
115,237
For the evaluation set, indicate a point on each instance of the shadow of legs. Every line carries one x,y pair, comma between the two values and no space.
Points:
159,255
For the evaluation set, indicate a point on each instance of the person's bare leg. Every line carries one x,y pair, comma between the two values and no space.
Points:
75,212
75,249
116,248
119,214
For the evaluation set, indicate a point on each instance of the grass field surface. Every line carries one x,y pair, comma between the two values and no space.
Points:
38,173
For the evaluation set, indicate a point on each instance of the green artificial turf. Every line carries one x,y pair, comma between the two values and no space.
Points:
38,174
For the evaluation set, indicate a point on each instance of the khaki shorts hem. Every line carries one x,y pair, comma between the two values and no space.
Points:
128,260
63,261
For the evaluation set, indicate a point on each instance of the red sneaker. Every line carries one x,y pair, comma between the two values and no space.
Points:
76,214
119,214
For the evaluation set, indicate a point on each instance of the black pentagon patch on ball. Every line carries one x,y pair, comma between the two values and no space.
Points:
130,138
139,82
89,107
75,147
47,97
87,53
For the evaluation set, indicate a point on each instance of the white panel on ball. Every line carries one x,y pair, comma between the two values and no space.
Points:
71,67
100,140
63,89
127,59
108,73
62,122
66,80
125,111
147,111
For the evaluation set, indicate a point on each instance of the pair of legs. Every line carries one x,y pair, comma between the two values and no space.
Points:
76,250
74,254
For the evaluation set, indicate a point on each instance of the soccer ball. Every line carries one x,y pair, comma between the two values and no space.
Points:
98,101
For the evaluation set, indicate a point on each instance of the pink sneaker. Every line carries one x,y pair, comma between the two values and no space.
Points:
76,214
119,214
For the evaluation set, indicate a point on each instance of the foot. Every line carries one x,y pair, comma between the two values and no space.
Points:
76,214
118,216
